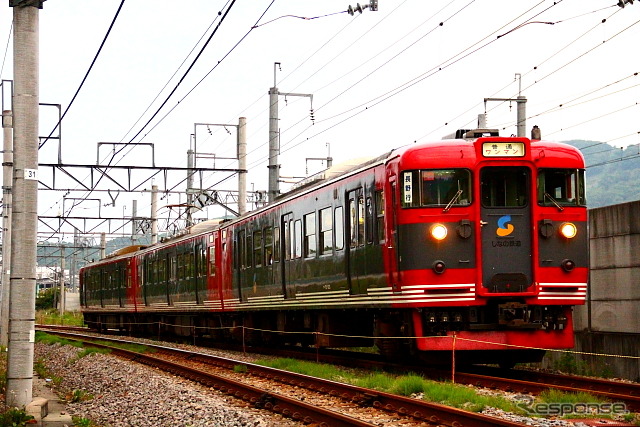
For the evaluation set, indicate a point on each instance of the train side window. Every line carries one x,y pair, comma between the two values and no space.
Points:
181,264
339,228
188,264
564,187
242,256
353,223
162,271
224,240
276,244
287,239
310,247
326,230
268,246
173,267
248,251
257,247
369,220
297,243
361,214
380,216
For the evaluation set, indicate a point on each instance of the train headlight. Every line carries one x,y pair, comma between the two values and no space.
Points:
438,231
568,230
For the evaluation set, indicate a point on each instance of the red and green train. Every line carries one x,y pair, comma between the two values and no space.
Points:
477,243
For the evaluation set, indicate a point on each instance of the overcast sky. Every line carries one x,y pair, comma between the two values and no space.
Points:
414,70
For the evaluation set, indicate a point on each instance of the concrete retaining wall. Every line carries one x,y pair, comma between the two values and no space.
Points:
610,321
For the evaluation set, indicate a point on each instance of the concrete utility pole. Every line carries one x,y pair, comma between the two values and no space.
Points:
154,214
103,245
7,180
521,119
25,202
242,165
134,215
61,279
190,166
274,137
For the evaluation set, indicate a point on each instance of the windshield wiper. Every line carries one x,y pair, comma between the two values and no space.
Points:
455,197
560,208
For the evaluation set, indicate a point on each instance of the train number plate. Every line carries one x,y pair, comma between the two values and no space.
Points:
503,149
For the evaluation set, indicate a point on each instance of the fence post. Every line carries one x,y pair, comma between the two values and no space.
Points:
453,360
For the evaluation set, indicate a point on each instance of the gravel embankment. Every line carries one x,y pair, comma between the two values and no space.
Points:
126,394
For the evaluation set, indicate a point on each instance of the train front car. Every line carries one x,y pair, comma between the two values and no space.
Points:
492,245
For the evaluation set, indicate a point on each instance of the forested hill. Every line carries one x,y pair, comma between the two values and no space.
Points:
613,173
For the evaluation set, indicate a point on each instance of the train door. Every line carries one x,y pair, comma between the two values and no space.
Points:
287,244
200,271
393,250
356,255
506,228
243,267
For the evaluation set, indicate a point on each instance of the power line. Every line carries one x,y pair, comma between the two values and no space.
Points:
95,58
6,49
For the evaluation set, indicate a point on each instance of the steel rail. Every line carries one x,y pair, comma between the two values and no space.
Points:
418,409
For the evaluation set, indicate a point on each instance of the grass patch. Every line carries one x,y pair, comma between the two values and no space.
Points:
458,396
240,369
78,396
15,417
572,364
82,422
556,396
41,370
136,348
52,317
45,338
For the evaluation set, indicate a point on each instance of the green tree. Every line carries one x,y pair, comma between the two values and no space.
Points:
47,298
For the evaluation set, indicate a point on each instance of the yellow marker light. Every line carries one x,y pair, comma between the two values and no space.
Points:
438,231
568,230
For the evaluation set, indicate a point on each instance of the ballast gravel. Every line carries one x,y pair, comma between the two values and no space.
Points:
127,394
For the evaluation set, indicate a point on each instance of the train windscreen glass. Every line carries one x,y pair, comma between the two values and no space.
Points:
436,187
503,187
561,187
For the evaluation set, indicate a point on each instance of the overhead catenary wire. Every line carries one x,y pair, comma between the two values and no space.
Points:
6,49
173,91
95,58
307,128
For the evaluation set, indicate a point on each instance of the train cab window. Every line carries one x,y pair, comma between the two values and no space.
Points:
326,231
504,186
339,228
561,187
310,247
436,187
380,215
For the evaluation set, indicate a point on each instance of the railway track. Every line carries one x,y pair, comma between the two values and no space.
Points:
301,397
512,380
